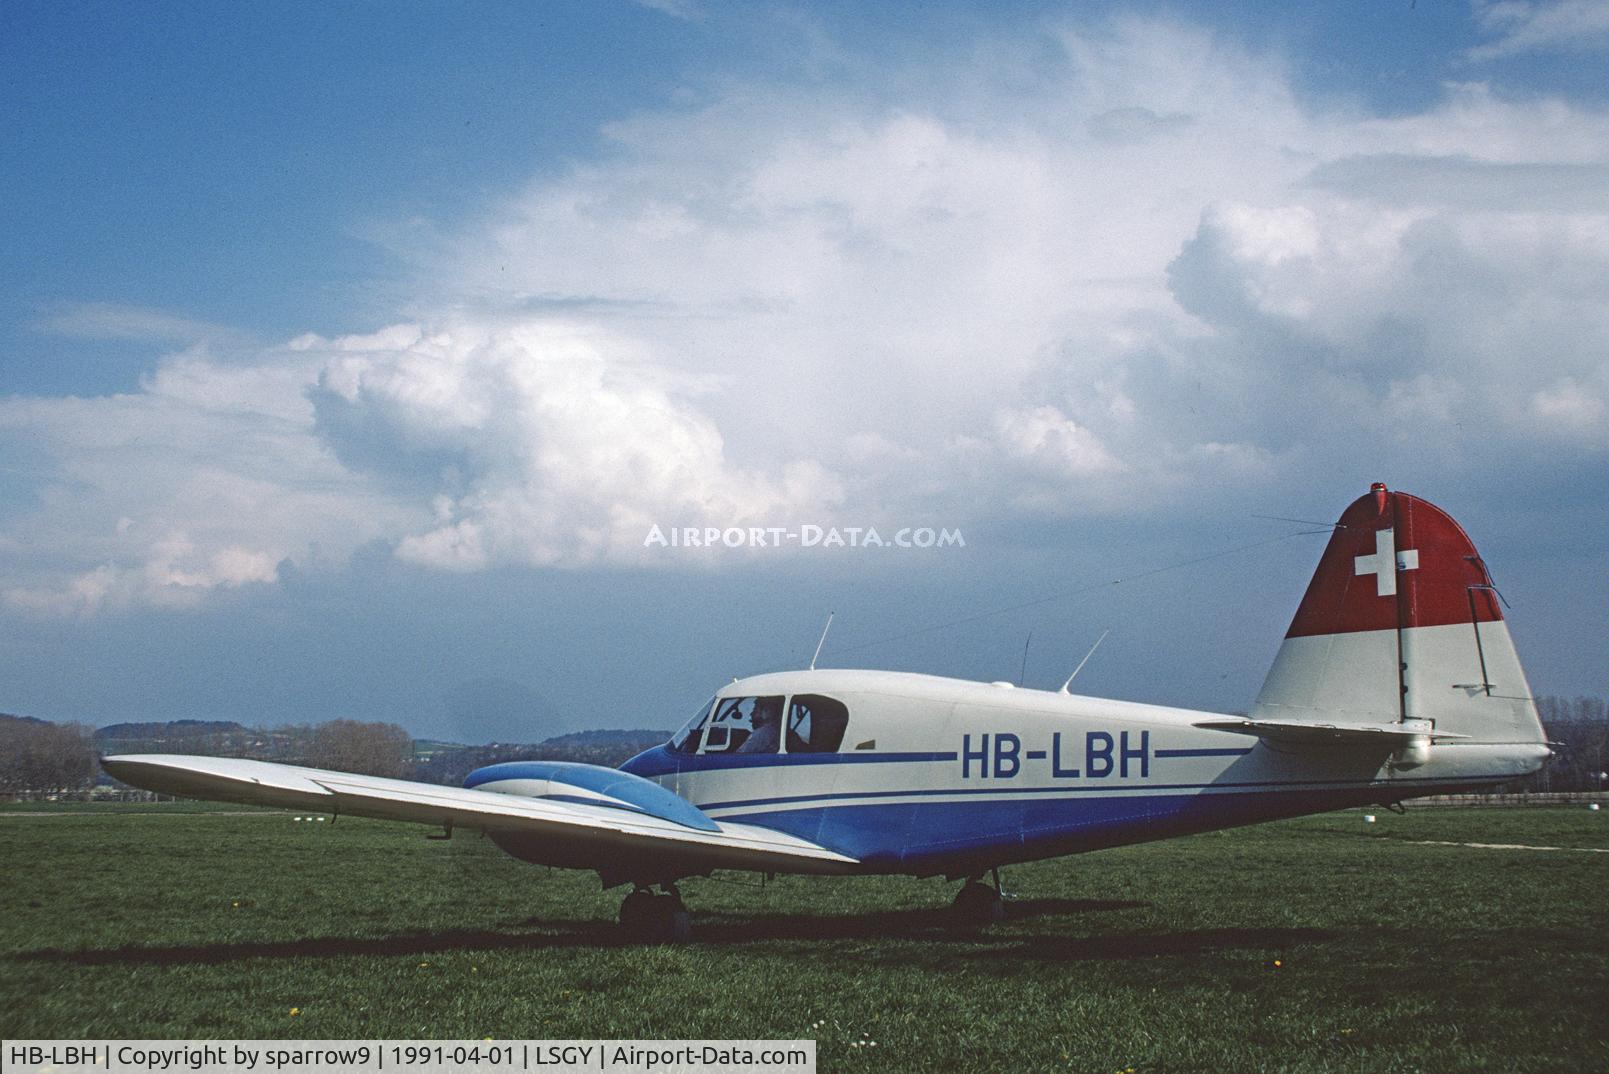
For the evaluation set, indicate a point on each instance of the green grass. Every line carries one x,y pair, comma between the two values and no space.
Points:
1316,944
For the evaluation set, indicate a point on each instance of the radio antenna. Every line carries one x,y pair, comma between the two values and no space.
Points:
817,655
1084,661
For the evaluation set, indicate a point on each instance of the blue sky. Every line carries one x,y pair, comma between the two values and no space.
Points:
347,352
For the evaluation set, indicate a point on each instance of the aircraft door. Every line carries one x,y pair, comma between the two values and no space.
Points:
815,731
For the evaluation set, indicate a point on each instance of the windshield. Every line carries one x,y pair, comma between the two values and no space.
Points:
686,740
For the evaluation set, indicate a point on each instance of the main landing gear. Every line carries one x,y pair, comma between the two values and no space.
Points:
649,918
977,904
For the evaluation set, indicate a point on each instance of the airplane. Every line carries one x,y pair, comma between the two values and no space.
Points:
1397,679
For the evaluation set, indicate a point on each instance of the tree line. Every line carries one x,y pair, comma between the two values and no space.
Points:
42,758
46,757
39,757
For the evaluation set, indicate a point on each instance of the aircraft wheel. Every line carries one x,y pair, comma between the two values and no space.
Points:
635,913
977,905
673,923
649,918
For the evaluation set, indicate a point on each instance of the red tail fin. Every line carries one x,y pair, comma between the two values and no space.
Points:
1395,561
1401,624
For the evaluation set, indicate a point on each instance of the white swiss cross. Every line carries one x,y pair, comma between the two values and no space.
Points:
1380,563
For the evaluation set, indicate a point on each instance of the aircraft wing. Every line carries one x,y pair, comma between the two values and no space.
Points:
1387,736
582,834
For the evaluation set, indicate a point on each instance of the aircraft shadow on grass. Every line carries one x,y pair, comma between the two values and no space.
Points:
923,926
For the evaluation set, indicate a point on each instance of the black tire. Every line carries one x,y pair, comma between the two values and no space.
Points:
649,918
636,914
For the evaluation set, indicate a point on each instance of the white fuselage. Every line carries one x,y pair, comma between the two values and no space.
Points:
938,775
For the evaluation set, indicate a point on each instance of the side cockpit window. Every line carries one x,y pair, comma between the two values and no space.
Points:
745,725
816,724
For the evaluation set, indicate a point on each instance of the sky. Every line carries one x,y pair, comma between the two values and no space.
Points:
360,360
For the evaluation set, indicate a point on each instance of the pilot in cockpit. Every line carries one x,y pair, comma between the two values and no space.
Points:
766,721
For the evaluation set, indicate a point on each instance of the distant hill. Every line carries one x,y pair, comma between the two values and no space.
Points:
6,716
216,738
449,764
168,729
591,739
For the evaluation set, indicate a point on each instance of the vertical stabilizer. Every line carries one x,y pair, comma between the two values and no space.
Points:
1401,624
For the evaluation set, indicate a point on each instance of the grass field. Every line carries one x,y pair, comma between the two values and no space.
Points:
1317,944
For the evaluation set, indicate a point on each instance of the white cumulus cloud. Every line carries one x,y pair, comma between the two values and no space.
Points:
1143,271
542,443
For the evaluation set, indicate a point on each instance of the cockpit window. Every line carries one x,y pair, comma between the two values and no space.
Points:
767,720
816,724
745,725
686,740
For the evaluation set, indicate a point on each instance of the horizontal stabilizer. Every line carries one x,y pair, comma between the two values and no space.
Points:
1386,735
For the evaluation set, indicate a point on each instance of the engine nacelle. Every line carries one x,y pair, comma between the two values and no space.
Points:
589,784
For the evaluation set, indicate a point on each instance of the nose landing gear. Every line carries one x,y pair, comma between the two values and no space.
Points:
649,918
